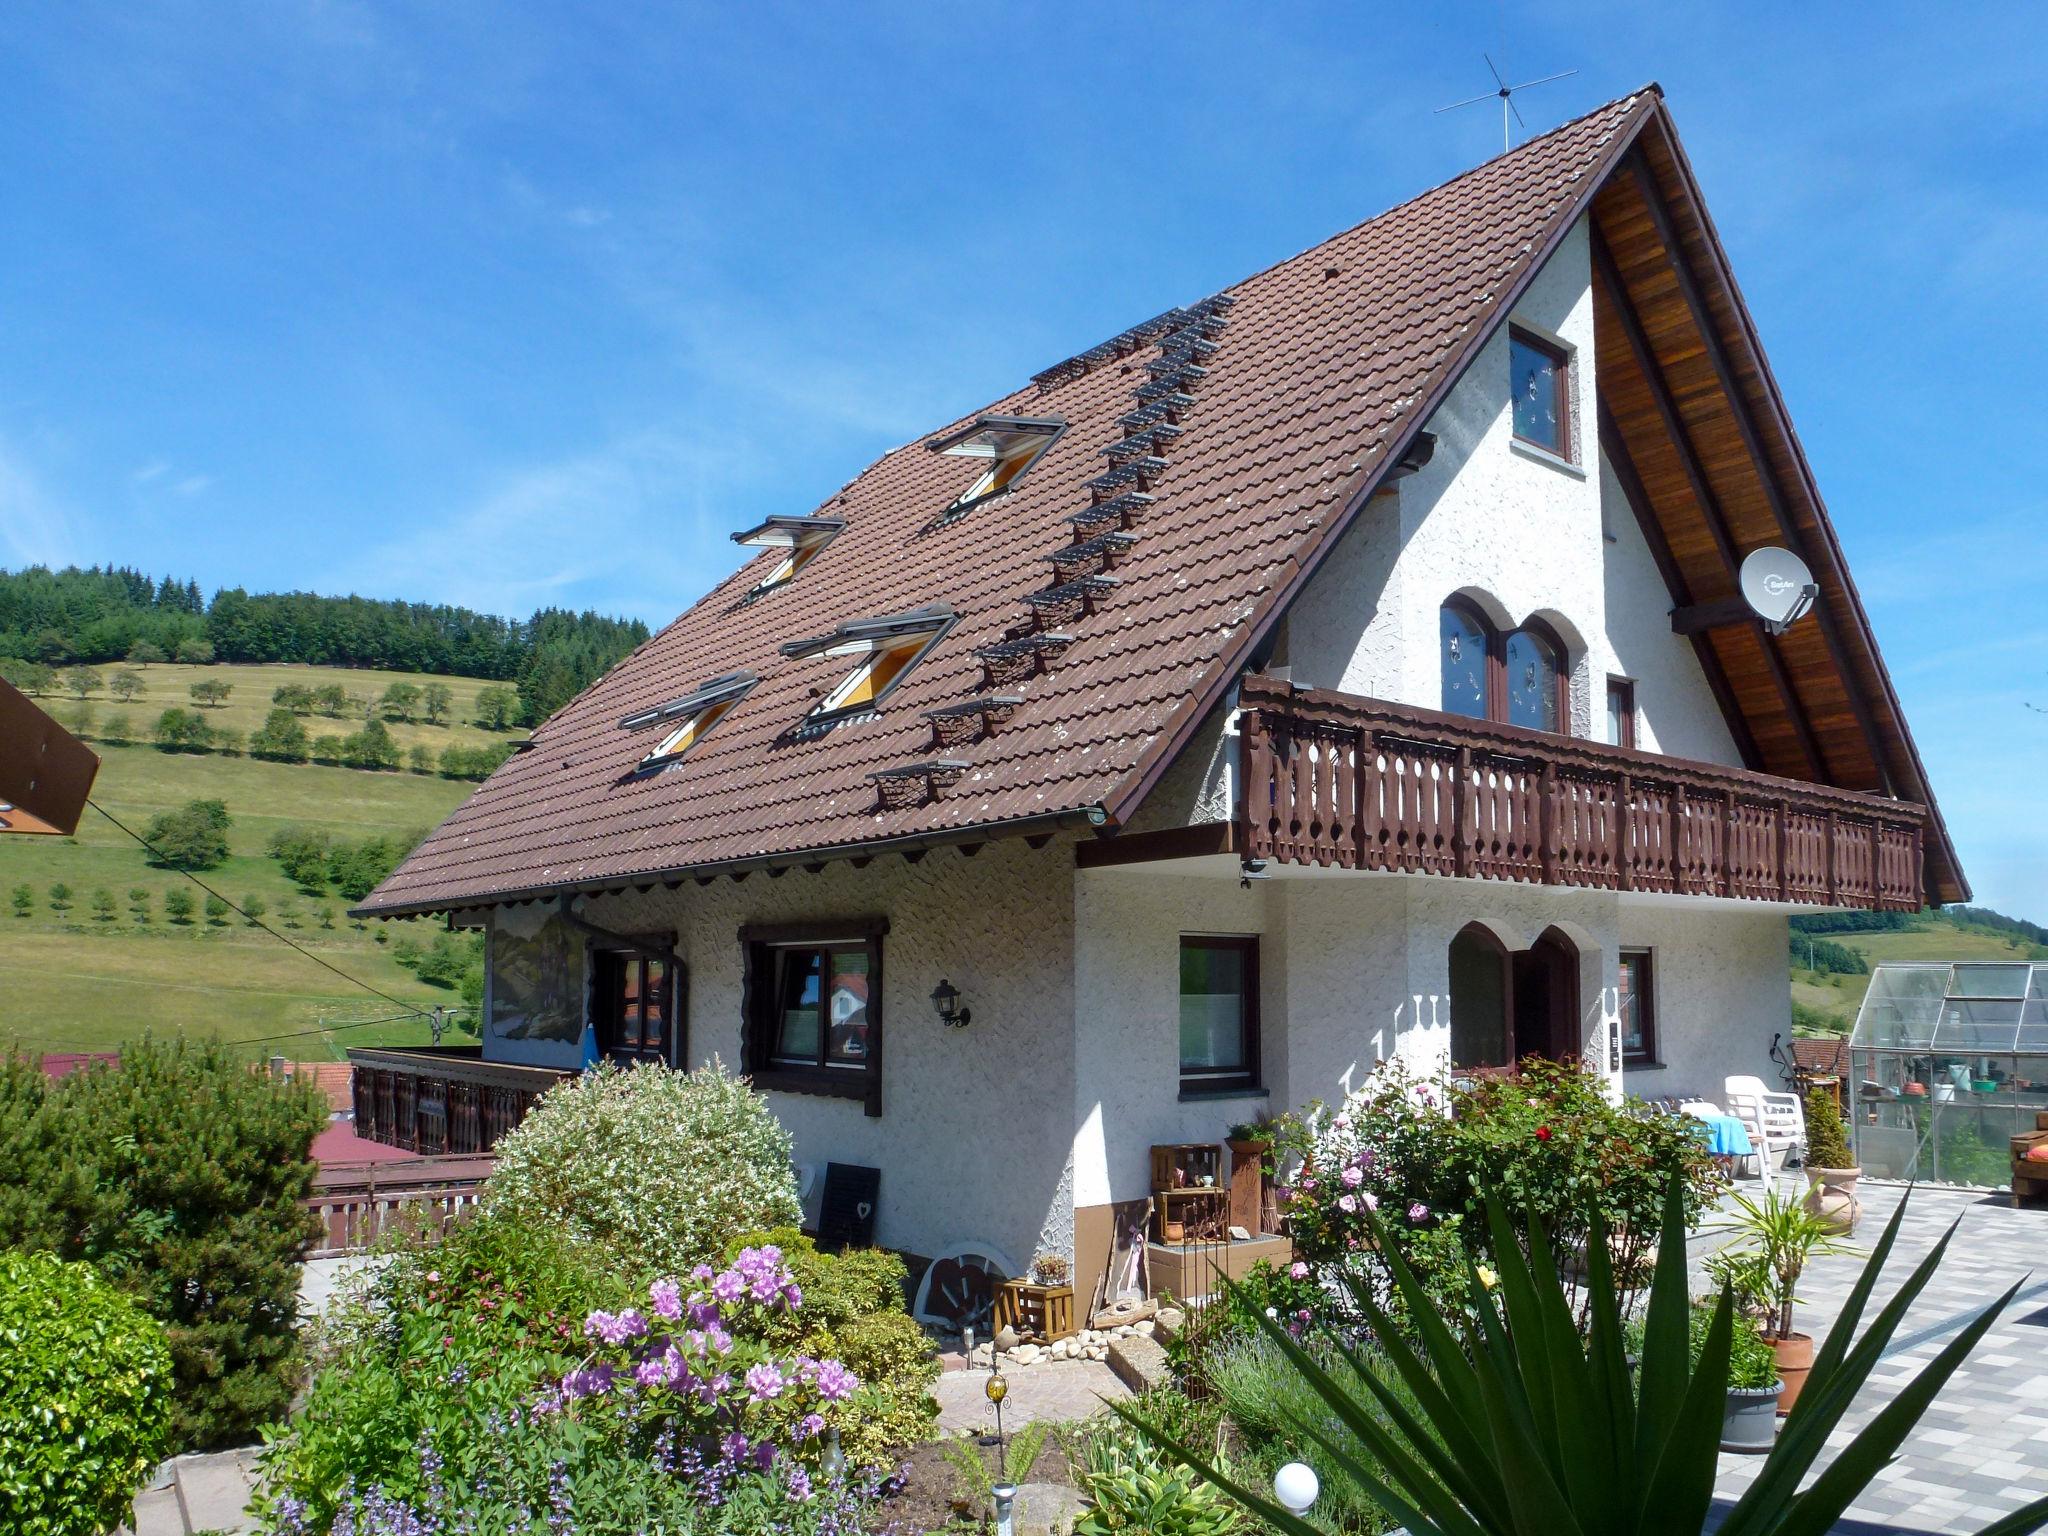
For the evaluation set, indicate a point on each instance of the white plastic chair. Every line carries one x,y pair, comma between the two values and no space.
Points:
1784,1117
1769,1155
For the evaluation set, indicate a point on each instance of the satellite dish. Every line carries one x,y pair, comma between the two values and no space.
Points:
1778,588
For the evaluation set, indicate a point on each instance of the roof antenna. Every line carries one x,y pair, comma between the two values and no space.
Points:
1506,93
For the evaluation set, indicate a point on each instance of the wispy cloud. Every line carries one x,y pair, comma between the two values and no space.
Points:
192,485
155,469
631,516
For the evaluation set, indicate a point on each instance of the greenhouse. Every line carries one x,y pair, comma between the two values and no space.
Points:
1947,1062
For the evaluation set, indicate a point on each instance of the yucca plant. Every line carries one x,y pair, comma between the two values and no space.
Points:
1521,1425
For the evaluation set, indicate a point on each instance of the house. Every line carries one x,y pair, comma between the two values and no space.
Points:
1346,665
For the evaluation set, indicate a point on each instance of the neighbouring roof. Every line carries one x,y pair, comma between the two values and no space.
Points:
1296,389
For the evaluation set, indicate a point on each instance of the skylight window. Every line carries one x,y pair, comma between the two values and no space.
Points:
886,649
799,537
685,721
1009,444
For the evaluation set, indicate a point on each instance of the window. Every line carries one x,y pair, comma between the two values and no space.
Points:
799,537
1540,393
814,1008
1219,1014
1636,1000
633,1005
887,648
685,721
1009,444
1517,678
1621,712
1482,986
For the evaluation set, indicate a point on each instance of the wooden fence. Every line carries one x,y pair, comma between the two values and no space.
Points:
358,1203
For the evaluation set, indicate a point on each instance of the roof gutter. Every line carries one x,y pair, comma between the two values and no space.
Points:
1088,817
1168,744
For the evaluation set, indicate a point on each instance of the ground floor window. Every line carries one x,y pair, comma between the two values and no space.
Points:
1637,1004
814,1008
634,1005
1219,1012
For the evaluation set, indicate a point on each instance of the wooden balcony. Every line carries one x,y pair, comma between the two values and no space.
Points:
441,1100
1335,780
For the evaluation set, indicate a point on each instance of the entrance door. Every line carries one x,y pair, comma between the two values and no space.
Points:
1547,998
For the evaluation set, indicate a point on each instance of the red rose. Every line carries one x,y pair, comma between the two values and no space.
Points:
1543,1133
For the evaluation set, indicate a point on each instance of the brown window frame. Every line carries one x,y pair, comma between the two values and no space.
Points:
1497,661
606,972
762,946
1625,687
1249,1080
1646,1007
1561,360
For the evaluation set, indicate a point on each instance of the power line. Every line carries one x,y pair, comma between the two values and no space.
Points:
300,1034
411,1011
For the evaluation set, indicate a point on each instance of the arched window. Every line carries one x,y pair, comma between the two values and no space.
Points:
1517,677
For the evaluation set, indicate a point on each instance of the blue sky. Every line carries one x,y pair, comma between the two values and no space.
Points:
508,304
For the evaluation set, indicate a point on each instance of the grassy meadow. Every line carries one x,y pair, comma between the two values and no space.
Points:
74,980
1940,938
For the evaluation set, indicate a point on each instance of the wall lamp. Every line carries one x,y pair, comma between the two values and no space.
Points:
946,998
1249,870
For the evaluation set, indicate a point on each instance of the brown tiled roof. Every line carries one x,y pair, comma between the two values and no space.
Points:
1822,1053
1320,367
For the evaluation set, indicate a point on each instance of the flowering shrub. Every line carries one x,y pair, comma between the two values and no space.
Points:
660,1169
1423,1152
676,1417
85,1398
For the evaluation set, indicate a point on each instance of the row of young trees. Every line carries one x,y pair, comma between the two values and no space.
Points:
180,907
108,614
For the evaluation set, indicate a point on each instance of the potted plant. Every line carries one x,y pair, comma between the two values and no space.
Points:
1831,1170
1251,1165
1776,1237
1749,1412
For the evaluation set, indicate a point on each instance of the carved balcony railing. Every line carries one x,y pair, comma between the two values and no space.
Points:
441,1100
1332,779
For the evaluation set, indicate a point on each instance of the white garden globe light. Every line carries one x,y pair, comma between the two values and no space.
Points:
1296,1487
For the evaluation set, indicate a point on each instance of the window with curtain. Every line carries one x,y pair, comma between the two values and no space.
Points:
813,1008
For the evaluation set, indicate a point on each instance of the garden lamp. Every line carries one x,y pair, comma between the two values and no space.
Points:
946,998
1296,1486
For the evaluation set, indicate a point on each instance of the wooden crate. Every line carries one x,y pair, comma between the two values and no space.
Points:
1187,1165
1191,1216
1041,1313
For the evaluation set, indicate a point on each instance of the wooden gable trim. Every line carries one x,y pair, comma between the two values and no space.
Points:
1745,426
1608,275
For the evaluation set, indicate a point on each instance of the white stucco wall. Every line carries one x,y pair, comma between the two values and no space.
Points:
975,1130
1522,534
1723,989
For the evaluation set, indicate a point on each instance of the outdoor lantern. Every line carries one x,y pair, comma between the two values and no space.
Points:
1295,1486
946,998
834,1460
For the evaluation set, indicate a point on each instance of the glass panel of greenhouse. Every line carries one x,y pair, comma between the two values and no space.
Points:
1947,1064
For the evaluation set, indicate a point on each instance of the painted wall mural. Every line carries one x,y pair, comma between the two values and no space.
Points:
536,988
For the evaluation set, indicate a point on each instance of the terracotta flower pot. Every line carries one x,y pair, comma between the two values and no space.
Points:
1795,1358
1831,1195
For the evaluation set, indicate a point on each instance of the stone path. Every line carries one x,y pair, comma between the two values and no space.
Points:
1060,1391
1981,1449
197,1493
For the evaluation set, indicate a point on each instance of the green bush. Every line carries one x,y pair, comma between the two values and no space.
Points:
1826,1137
446,1335
1425,1153
661,1169
178,1173
85,1398
195,836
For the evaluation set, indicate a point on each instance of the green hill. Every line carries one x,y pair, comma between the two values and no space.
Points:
79,980
1828,1001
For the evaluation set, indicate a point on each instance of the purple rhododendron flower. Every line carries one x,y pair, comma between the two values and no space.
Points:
667,1298
588,1382
763,1382
810,1426
800,1485
729,1287
1418,1212
734,1447
835,1381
